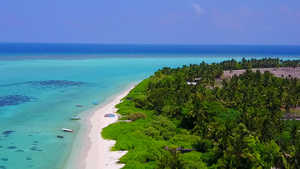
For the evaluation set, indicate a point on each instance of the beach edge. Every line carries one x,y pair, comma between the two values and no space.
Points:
95,151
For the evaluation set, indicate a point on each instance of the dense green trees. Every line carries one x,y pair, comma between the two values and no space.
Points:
239,125
258,63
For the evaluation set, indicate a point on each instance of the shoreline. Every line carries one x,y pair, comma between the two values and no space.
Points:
93,151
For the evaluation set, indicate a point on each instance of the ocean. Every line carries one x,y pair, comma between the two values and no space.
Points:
41,84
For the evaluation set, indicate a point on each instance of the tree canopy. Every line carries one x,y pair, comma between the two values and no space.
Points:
238,125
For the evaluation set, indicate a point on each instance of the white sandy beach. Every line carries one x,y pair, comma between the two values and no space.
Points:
97,153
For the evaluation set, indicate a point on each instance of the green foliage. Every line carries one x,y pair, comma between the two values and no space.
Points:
185,141
140,101
140,141
170,159
136,116
258,63
141,155
152,132
237,125
204,145
118,130
162,123
193,160
134,165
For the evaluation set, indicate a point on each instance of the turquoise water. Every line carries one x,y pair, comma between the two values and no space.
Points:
39,96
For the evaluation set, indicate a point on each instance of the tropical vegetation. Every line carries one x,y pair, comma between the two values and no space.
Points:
177,124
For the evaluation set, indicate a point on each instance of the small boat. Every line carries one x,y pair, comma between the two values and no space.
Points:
79,105
75,118
59,136
66,130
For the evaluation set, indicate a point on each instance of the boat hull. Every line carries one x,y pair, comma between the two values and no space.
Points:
75,118
66,130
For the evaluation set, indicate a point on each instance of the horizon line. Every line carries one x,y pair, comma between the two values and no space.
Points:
156,44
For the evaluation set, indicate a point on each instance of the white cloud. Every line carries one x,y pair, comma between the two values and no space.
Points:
197,9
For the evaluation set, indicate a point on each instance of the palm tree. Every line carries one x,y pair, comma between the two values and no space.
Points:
170,159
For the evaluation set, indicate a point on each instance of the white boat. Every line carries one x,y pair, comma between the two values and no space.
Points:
66,130
75,118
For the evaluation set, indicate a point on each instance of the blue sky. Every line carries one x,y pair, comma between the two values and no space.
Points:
151,21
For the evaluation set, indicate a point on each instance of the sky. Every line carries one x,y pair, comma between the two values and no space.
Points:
265,22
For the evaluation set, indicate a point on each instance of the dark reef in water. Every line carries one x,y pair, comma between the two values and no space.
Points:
49,83
4,159
33,148
12,147
58,83
13,100
7,133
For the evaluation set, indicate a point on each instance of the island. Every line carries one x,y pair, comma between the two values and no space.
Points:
221,115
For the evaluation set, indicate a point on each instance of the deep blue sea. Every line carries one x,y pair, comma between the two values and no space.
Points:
84,51
41,84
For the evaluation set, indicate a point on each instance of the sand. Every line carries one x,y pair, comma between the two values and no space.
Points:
278,72
97,152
